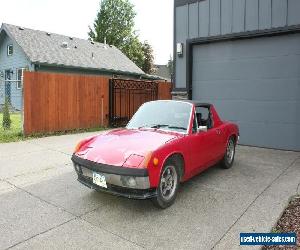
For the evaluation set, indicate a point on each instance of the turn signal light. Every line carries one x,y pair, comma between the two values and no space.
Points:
82,143
155,161
78,146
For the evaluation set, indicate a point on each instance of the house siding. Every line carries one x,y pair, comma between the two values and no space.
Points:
13,62
182,30
246,61
222,17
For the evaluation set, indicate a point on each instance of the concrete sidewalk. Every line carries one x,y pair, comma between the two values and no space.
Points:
44,207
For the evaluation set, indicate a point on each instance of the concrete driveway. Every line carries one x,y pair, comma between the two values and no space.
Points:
42,206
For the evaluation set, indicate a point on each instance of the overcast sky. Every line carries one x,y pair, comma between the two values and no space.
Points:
154,19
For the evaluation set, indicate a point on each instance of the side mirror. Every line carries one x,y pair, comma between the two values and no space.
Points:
202,129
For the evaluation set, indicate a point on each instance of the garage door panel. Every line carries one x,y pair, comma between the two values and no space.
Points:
269,89
271,136
255,68
264,47
264,112
256,83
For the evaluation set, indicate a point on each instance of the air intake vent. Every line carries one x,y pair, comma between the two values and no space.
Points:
71,38
21,28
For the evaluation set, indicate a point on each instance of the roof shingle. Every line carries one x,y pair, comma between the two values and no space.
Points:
48,48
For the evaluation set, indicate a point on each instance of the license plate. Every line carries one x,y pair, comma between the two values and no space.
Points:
99,180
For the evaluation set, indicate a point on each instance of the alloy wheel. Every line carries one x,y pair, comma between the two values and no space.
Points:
230,151
168,182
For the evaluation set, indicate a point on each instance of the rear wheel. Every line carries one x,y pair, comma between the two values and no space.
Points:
168,186
228,159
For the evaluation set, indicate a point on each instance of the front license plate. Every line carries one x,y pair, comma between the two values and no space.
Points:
99,180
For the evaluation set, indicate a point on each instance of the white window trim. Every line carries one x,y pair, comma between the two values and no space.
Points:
17,78
10,54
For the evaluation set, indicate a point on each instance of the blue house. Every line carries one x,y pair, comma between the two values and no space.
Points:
26,49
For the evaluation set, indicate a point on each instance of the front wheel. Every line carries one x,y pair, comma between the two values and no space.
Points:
228,158
168,186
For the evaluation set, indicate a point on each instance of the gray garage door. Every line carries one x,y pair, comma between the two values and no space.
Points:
256,83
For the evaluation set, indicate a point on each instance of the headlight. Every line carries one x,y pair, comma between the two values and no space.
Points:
128,181
133,161
138,161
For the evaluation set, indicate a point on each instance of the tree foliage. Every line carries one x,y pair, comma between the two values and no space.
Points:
133,49
6,115
148,65
115,25
114,22
170,66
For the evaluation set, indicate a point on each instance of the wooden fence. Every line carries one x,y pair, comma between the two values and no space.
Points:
127,95
59,102
164,91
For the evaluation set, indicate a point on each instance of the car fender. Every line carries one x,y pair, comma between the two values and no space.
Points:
163,153
232,130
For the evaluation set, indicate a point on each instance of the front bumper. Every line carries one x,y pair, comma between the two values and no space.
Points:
116,179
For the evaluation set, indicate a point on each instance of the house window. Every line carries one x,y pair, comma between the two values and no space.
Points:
8,73
19,76
10,49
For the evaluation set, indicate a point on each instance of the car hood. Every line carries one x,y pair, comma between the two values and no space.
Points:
115,146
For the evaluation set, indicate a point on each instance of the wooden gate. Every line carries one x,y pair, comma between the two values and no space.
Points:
126,96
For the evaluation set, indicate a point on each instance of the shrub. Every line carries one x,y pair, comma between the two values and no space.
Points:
6,116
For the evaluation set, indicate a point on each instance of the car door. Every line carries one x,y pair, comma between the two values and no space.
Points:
204,147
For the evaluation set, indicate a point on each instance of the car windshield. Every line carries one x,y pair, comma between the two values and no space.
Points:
166,115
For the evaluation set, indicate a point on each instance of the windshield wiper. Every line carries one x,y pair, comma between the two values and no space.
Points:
154,126
176,127
158,126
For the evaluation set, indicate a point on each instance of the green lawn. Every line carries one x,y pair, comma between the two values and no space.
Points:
15,132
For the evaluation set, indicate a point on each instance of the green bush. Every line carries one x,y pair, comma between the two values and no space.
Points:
6,116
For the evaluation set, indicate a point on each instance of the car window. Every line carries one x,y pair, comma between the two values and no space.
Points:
195,124
167,115
204,117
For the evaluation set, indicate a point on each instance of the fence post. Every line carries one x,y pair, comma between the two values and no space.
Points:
2,90
22,101
111,101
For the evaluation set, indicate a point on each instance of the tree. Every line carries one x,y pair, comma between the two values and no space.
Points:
133,49
171,67
6,116
148,65
115,25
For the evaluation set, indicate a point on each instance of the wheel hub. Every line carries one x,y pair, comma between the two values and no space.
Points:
230,151
168,182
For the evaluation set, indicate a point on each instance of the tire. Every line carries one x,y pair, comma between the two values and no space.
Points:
228,158
168,185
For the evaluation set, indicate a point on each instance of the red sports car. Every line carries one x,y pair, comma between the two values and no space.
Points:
164,144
